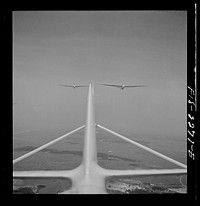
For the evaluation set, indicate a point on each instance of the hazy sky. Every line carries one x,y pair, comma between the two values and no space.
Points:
135,47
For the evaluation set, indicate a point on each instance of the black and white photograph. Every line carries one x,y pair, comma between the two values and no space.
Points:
100,102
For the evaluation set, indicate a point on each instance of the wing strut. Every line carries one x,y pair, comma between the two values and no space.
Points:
143,147
46,145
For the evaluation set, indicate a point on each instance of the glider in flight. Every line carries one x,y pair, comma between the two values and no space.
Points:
123,86
73,86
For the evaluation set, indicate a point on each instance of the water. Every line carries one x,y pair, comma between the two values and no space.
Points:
113,153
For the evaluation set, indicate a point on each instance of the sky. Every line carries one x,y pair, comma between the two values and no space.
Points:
117,47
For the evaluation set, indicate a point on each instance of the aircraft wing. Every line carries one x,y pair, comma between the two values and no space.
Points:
137,86
81,86
120,86
65,85
112,85
45,173
143,172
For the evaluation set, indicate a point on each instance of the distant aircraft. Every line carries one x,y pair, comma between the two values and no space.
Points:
123,86
73,86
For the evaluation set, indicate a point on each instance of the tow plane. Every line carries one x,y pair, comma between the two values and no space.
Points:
89,177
